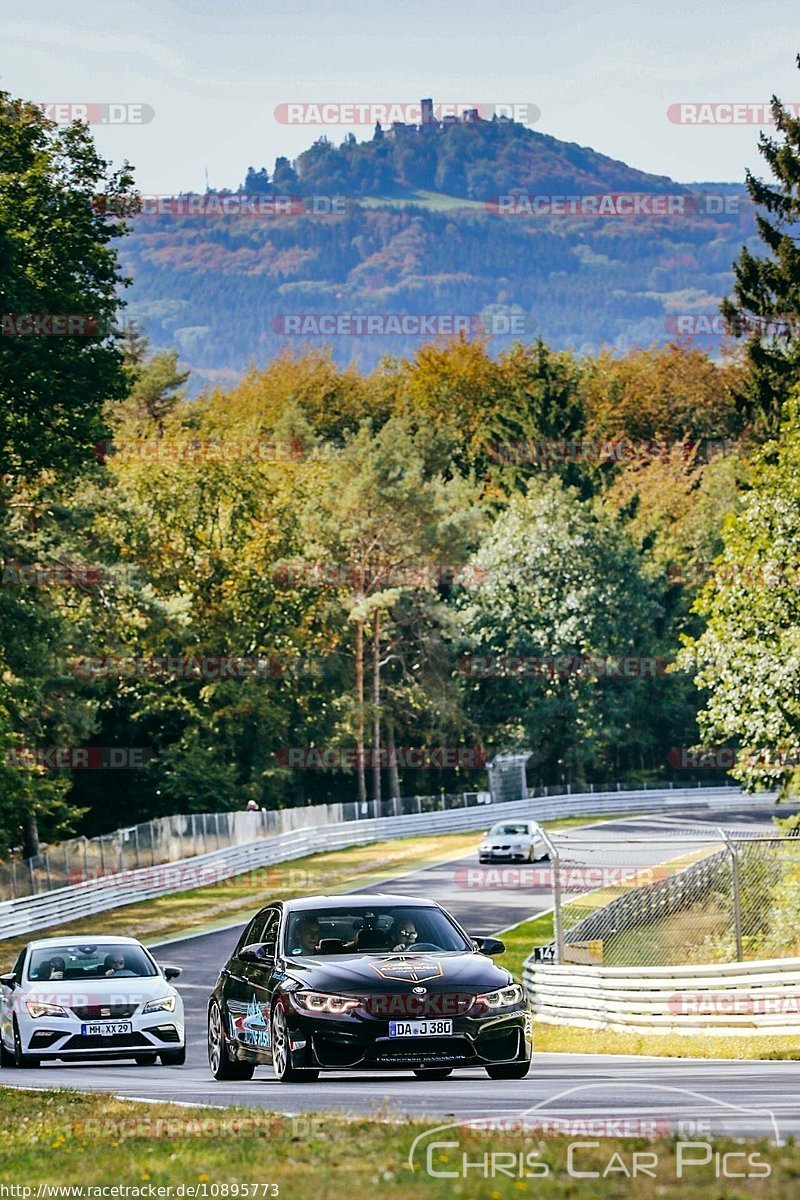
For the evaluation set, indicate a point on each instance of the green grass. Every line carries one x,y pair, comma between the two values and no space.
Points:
436,201
67,1138
572,1039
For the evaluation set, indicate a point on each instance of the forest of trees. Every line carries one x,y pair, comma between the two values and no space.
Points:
453,549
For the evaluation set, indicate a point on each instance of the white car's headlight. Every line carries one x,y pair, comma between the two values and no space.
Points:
37,1009
324,1002
503,998
163,1004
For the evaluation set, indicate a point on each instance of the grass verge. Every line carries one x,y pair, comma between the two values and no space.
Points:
68,1138
572,1039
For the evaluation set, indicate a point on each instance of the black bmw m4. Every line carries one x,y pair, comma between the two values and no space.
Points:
379,982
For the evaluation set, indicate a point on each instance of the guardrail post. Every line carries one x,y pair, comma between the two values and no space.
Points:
558,931
136,845
737,896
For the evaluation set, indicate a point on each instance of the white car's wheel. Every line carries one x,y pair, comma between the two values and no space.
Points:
6,1057
21,1059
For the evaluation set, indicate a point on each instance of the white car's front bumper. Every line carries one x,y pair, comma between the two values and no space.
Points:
68,1037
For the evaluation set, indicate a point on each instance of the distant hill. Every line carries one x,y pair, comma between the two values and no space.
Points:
417,230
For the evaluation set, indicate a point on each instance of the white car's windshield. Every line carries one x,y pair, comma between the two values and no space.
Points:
90,960
510,830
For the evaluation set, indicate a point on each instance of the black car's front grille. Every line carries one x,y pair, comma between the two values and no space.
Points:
109,1041
101,1012
426,1050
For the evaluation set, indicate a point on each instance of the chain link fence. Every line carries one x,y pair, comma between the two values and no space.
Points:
673,894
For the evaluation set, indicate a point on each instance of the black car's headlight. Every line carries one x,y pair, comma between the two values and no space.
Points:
506,997
325,1002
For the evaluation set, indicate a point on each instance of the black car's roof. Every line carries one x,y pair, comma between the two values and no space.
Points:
352,903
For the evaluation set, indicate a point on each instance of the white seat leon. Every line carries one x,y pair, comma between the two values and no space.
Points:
90,997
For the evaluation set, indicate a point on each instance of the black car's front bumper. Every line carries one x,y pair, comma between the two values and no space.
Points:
333,1043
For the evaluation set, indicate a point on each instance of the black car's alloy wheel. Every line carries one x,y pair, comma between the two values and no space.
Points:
219,1059
281,1063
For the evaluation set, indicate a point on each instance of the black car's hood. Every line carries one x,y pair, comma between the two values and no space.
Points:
365,973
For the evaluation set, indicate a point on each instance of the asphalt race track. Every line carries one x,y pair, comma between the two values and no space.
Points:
757,1097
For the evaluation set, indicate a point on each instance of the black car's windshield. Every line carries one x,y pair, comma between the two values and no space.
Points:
90,960
384,929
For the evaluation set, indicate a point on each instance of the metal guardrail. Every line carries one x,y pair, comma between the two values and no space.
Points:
757,998
170,839
329,832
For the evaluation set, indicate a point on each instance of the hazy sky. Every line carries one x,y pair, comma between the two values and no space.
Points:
602,74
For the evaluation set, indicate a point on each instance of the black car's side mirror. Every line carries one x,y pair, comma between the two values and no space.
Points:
171,972
489,945
258,952
9,979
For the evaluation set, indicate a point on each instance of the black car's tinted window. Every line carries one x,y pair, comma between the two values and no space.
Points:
384,929
247,937
262,928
